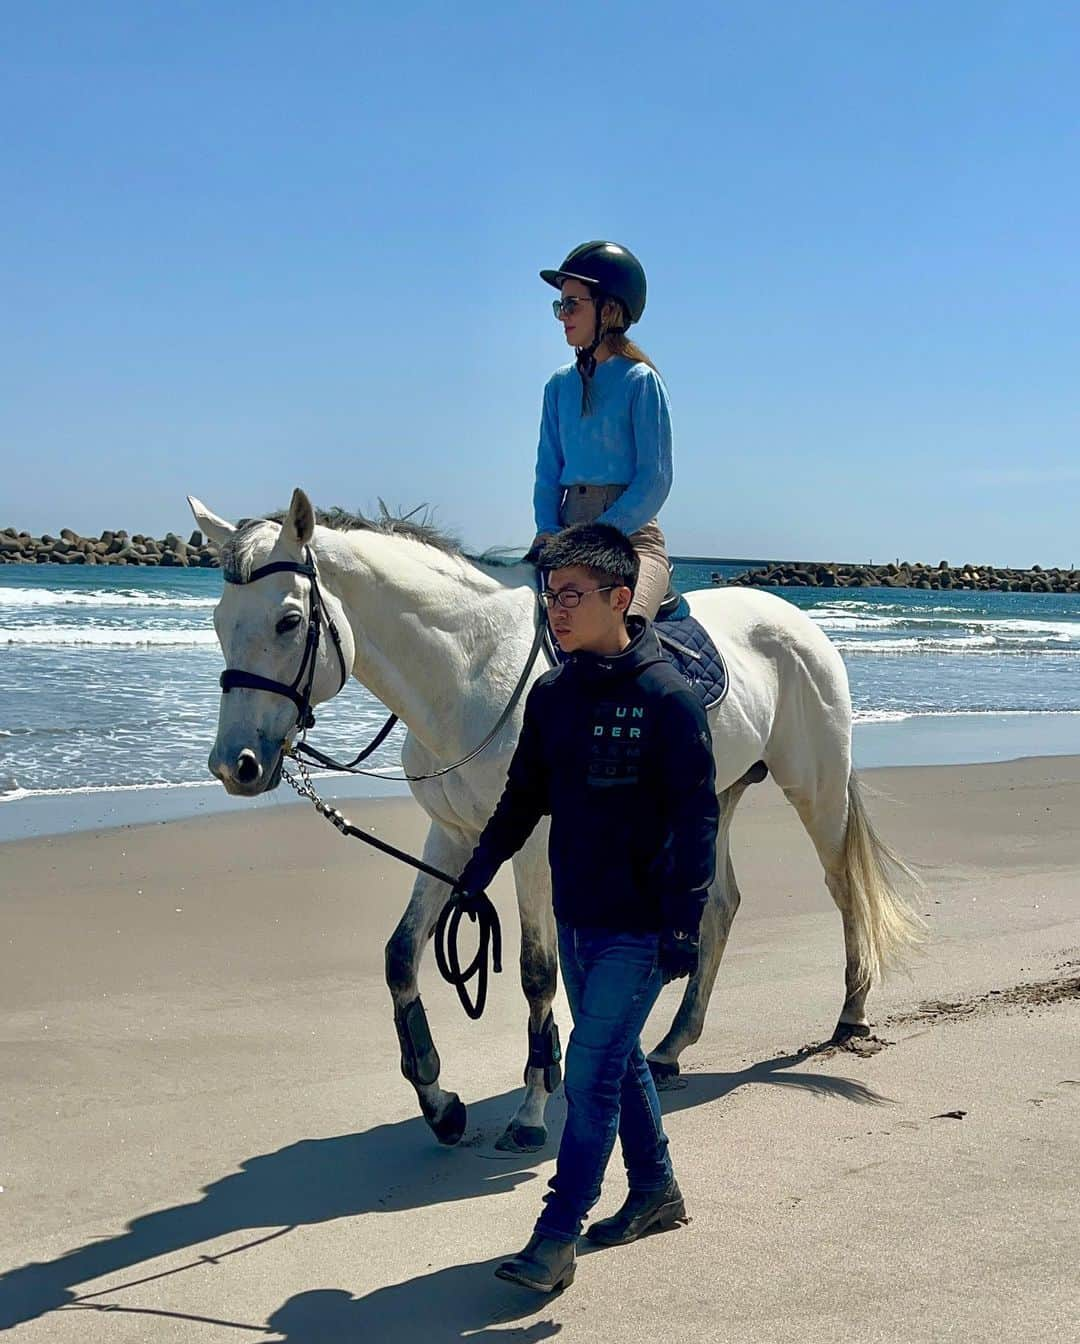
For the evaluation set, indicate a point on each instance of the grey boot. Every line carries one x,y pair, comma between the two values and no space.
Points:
644,1211
544,1265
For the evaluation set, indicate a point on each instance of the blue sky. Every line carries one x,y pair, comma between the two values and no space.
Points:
255,245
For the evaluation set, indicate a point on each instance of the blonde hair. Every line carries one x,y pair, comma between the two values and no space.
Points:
612,320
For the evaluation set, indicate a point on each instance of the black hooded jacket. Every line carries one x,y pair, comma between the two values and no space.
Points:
618,751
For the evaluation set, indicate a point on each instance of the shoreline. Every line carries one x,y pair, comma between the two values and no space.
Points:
46,814
925,741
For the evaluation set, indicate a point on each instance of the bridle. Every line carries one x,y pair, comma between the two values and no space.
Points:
236,678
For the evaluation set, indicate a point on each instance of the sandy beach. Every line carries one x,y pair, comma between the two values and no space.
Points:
206,1135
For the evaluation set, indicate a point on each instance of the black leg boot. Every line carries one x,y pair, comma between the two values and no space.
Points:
544,1265
644,1211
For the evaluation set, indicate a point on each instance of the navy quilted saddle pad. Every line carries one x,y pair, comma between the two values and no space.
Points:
687,645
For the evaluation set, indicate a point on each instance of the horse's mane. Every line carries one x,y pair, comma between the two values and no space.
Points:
418,525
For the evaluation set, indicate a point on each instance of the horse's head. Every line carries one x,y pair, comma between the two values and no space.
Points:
264,623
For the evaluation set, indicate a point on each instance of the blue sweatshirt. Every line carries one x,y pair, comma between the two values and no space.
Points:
625,440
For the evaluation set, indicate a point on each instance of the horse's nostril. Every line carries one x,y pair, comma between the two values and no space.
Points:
247,767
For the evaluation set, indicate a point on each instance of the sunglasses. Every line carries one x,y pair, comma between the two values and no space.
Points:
564,307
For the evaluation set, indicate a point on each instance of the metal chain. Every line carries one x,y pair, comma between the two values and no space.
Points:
305,788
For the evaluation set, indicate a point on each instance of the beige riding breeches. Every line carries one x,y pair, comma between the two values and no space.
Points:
585,503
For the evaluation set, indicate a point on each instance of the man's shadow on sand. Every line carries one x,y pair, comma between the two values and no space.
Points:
385,1169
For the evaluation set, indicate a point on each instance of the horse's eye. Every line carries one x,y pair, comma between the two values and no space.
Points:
288,623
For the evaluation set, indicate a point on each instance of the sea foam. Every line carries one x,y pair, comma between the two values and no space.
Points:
119,637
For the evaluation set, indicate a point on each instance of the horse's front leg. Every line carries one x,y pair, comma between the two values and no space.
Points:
526,1132
444,1111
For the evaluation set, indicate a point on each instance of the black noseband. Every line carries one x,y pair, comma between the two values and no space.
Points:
234,678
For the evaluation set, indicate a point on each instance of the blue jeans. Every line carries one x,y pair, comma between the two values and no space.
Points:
612,981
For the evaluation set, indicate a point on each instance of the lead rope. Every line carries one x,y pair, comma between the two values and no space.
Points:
477,905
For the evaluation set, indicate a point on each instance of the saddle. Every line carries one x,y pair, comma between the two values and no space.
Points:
686,644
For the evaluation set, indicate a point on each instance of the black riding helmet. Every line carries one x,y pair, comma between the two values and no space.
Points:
611,269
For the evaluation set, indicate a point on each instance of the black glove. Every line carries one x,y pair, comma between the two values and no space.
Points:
678,953
468,898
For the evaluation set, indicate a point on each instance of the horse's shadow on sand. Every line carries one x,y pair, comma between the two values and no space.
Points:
386,1169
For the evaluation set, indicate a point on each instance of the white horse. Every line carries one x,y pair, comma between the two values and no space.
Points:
441,640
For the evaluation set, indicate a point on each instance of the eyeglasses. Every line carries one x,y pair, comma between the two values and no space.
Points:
570,597
564,307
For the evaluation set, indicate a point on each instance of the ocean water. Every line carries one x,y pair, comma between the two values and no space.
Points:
108,680
914,653
108,677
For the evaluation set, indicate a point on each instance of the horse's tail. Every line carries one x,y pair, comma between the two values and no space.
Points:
886,924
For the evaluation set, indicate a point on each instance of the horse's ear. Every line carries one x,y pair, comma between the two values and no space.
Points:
299,522
217,529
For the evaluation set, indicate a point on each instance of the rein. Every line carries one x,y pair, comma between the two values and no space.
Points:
477,905
303,748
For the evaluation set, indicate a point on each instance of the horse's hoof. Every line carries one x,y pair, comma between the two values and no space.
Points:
846,1030
450,1126
665,1075
521,1139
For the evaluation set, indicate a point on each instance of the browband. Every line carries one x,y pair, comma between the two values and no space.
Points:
278,567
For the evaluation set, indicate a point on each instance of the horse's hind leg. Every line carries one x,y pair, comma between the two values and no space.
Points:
527,1132
860,873
444,1111
817,789
716,923
853,1020
866,880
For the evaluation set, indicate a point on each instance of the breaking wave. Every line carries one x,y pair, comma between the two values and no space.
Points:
99,597
116,637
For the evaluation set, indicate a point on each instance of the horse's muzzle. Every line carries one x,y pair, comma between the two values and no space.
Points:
244,776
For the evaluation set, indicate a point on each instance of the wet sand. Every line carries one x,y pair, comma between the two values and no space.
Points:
207,1136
